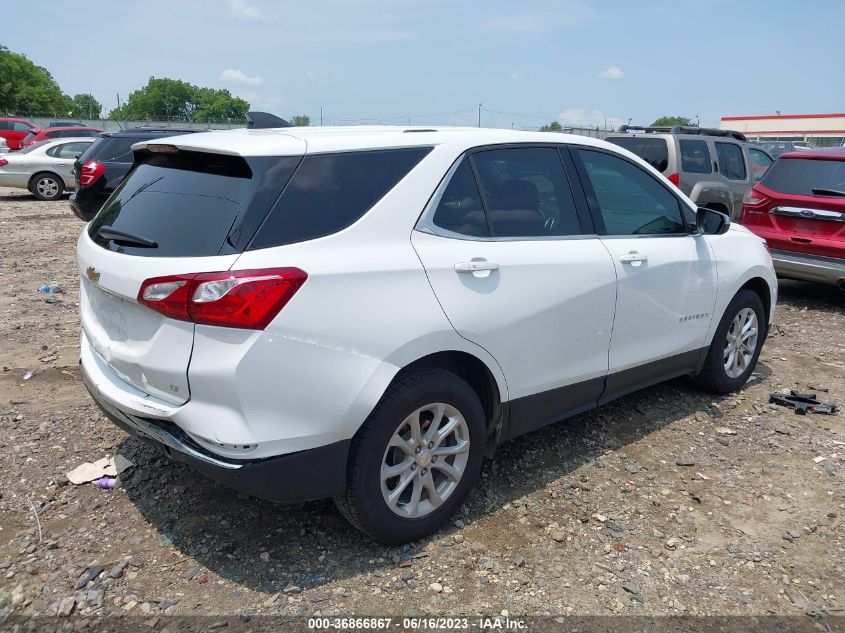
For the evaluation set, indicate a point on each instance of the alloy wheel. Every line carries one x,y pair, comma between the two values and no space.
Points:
741,342
47,187
425,460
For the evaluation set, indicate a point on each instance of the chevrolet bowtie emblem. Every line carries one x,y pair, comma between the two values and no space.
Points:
92,274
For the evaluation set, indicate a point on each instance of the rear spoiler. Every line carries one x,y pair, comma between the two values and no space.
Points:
262,120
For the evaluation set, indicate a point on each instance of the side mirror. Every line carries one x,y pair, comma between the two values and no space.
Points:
712,222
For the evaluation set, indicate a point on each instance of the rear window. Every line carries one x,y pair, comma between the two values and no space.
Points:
799,176
652,150
329,192
116,149
189,202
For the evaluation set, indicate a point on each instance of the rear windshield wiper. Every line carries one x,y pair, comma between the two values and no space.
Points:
822,191
111,233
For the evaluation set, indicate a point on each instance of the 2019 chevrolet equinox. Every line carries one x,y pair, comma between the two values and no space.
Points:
364,313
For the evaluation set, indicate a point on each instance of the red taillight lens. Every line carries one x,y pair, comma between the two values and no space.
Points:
3,161
675,179
753,198
90,173
248,299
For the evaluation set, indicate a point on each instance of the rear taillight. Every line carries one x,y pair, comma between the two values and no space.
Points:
90,173
3,161
675,179
753,200
248,299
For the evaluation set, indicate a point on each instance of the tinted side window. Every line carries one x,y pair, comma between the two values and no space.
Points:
695,157
630,201
526,192
328,192
5,125
731,162
760,162
72,150
111,149
17,126
652,150
53,152
460,209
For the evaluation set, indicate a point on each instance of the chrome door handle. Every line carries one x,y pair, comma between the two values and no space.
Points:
475,266
633,258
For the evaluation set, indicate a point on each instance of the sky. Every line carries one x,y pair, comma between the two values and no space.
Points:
581,62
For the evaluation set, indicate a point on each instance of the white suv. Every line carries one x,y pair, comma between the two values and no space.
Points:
365,313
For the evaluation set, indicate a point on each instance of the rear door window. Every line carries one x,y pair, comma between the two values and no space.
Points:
526,192
731,162
695,157
807,177
189,202
629,200
460,209
329,192
654,151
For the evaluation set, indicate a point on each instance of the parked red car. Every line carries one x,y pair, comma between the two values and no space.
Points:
52,133
14,130
799,209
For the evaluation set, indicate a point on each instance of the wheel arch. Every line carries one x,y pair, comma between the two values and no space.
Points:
478,375
46,172
761,287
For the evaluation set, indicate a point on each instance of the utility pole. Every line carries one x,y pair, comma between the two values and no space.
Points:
479,115
321,116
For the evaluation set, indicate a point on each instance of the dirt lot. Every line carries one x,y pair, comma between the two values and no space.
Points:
667,502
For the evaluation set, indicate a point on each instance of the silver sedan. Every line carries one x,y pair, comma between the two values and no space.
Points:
46,168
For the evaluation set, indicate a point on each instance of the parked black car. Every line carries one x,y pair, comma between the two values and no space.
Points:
104,165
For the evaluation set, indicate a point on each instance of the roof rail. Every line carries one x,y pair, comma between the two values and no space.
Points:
258,120
644,128
708,131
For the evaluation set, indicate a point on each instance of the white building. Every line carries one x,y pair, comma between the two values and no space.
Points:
821,129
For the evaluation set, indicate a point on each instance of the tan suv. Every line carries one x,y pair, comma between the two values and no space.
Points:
713,167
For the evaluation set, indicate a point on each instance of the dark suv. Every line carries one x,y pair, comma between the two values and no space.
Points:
104,165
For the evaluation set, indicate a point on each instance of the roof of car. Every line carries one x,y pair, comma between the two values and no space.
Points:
827,153
299,140
152,131
71,127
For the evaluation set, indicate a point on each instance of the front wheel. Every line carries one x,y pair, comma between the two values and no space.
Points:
46,186
416,458
736,344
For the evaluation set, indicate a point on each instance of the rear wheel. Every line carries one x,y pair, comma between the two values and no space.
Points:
416,458
736,344
46,186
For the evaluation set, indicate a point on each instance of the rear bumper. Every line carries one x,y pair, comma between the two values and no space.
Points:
311,474
85,203
826,270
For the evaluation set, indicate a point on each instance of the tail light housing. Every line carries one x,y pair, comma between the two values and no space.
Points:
248,299
753,201
675,179
91,173
3,162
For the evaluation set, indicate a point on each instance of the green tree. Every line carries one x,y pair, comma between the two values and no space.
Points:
554,126
167,99
29,89
300,120
669,121
86,106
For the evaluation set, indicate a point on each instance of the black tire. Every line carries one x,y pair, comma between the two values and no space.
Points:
46,186
713,376
363,505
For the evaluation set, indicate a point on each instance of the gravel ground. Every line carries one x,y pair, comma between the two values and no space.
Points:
667,502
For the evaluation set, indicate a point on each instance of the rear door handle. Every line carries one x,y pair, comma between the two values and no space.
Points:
475,266
633,258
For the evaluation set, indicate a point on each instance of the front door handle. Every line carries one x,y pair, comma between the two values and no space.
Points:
634,258
475,266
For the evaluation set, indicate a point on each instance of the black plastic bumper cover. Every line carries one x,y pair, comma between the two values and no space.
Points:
311,474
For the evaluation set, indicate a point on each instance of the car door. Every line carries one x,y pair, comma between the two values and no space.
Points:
64,157
666,273
518,270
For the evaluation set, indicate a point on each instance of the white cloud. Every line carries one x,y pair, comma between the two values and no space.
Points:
242,11
514,76
581,117
611,72
238,78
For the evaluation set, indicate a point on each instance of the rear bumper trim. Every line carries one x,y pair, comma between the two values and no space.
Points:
302,476
827,270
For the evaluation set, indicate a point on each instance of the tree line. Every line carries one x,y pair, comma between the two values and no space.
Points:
27,89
